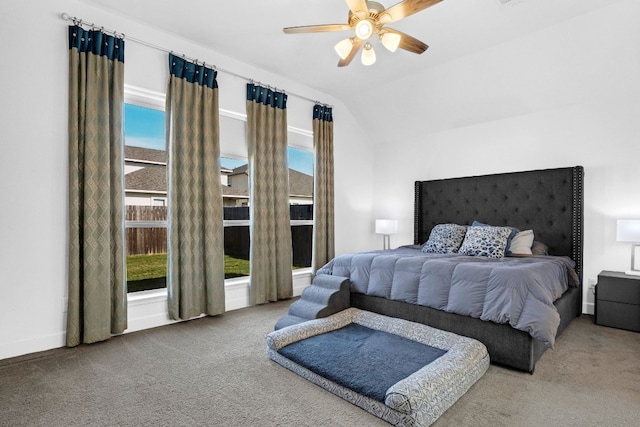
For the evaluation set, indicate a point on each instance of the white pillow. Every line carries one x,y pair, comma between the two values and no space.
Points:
521,243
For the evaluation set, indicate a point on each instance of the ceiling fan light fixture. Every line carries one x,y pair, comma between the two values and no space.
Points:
368,55
343,48
368,18
385,18
364,29
390,40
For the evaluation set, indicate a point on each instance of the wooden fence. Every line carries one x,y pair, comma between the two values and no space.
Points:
147,241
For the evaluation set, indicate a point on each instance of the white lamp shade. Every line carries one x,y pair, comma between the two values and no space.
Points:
386,226
368,55
628,230
390,41
343,48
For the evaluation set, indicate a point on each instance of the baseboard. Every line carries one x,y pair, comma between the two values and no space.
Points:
589,308
148,309
31,345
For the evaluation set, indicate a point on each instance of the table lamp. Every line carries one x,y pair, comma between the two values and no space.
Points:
386,227
628,230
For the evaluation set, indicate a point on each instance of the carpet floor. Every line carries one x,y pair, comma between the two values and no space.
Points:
215,372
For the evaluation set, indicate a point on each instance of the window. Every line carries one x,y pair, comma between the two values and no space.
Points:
301,205
145,168
235,193
235,197
146,192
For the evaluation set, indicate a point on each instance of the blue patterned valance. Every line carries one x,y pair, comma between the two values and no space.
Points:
191,72
96,42
266,96
322,112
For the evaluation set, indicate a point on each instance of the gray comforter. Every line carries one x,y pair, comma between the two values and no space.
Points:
519,291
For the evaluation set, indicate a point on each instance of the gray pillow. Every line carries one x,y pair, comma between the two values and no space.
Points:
485,241
445,238
539,248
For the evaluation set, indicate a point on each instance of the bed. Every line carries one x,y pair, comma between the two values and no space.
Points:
549,202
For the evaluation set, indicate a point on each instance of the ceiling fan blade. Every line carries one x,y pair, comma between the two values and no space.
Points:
316,28
405,8
409,43
358,8
354,50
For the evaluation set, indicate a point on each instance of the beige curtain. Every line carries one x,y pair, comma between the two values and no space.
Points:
97,301
323,216
270,253
196,231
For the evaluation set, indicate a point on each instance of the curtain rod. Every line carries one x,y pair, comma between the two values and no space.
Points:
77,21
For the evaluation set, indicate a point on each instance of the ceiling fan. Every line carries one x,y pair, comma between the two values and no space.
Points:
366,19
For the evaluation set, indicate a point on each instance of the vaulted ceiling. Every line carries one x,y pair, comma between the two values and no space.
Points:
251,31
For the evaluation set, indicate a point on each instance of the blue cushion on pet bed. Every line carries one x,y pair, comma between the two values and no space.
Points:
362,359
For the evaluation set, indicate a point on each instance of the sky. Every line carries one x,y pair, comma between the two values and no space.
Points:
144,127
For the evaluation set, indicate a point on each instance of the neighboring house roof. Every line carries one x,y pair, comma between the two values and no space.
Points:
153,178
144,154
240,169
300,184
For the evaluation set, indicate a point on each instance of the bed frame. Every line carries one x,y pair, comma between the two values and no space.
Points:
549,201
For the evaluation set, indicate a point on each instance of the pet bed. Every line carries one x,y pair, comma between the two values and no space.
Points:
416,400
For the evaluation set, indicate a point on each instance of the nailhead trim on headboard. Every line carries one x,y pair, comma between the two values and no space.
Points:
578,218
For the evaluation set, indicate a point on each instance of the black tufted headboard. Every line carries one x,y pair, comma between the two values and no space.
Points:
550,202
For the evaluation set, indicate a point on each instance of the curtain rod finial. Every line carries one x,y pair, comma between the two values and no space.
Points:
65,16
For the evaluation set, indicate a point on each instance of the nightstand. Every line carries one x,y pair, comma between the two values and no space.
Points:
618,300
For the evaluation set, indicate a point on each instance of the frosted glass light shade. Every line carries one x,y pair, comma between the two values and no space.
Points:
368,55
391,41
628,230
364,29
386,226
343,48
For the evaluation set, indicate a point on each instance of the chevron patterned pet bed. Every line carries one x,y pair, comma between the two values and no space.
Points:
416,398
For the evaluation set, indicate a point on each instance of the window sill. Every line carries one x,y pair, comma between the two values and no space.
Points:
145,297
155,294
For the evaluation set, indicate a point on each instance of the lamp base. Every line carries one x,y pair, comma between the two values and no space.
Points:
632,272
386,242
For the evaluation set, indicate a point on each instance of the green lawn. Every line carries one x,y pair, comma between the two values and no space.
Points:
141,267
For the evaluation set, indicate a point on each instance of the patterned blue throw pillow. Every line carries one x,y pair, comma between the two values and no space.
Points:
485,241
514,232
445,238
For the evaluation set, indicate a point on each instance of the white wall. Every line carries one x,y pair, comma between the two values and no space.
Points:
33,229
564,96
